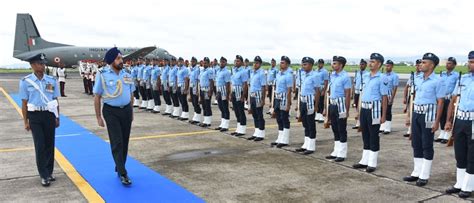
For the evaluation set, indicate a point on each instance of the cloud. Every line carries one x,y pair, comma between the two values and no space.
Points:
267,28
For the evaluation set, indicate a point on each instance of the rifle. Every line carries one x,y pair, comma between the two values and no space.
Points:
359,103
298,115
272,109
327,121
456,106
412,99
248,92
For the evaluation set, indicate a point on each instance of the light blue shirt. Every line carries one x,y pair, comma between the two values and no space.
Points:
391,78
466,103
375,87
140,71
47,84
358,79
134,71
284,80
194,75
183,73
110,79
271,75
323,75
222,77
239,77
429,90
299,73
164,74
155,73
310,82
257,80
172,74
450,80
147,73
339,83
205,77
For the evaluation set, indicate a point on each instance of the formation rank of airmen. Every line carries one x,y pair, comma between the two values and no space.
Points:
432,101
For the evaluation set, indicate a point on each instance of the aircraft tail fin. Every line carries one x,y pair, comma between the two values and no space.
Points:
27,36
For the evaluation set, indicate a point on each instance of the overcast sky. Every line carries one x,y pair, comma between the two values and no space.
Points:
273,28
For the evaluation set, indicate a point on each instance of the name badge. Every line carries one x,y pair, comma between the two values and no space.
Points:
49,88
127,80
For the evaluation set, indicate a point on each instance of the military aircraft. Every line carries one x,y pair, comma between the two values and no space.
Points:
28,42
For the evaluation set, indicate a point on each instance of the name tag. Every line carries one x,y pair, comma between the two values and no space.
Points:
127,80
49,88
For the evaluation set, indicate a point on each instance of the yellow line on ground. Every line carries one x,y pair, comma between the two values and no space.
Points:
16,149
86,189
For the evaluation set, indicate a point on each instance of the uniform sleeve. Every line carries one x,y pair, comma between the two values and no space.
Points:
440,89
23,90
347,83
98,85
56,89
316,81
395,80
383,88
245,76
289,81
263,81
227,77
211,75
325,76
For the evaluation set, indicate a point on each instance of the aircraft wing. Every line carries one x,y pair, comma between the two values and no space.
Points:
139,53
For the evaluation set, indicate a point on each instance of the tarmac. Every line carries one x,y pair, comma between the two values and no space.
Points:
218,167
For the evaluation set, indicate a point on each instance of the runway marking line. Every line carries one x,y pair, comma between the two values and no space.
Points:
86,189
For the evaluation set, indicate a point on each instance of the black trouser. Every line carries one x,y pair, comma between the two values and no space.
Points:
257,114
270,91
166,96
282,116
444,114
90,85
321,104
43,128
195,102
421,137
143,93
356,100
119,124
156,97
389,112
296,93
149,93
86,85
136,93
206,103
61,87
338,125
239,110
223,106
464,145
370,132
174,98
183,100
308,121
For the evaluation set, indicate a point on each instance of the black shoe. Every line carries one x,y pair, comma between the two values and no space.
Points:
234,133
155,112
339,159
218,128
239,134
251,138
45,182
438,140
380,131
300,150
421,182
273,144
165,114
330,157
410,178
355,127
308,152
406,135
51,178
370,169
183,119
357,166
386,133
463,194
444,141
223,129
452,190
258,139
280,145
63,96
125,180
320,121
204,125
269,113
193,122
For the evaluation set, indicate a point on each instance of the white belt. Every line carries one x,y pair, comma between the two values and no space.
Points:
32,107
421,109
465,115
367,105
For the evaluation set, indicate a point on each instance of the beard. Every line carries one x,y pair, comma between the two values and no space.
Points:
118,66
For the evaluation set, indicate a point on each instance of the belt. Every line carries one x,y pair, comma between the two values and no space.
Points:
116,107
334,101
465,115
37,108
367,105
421,109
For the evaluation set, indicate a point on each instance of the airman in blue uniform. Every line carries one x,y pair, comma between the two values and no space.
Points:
463,131
239,94
391,80
428,105
206,84
271,76
156,85
357,88
40,109
223,94
146,78
282,102
309,98
339,102
142,88
173,84
136,94
194,91
407,94
258,87
114,88
183,89
324,78
166,87
450,78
